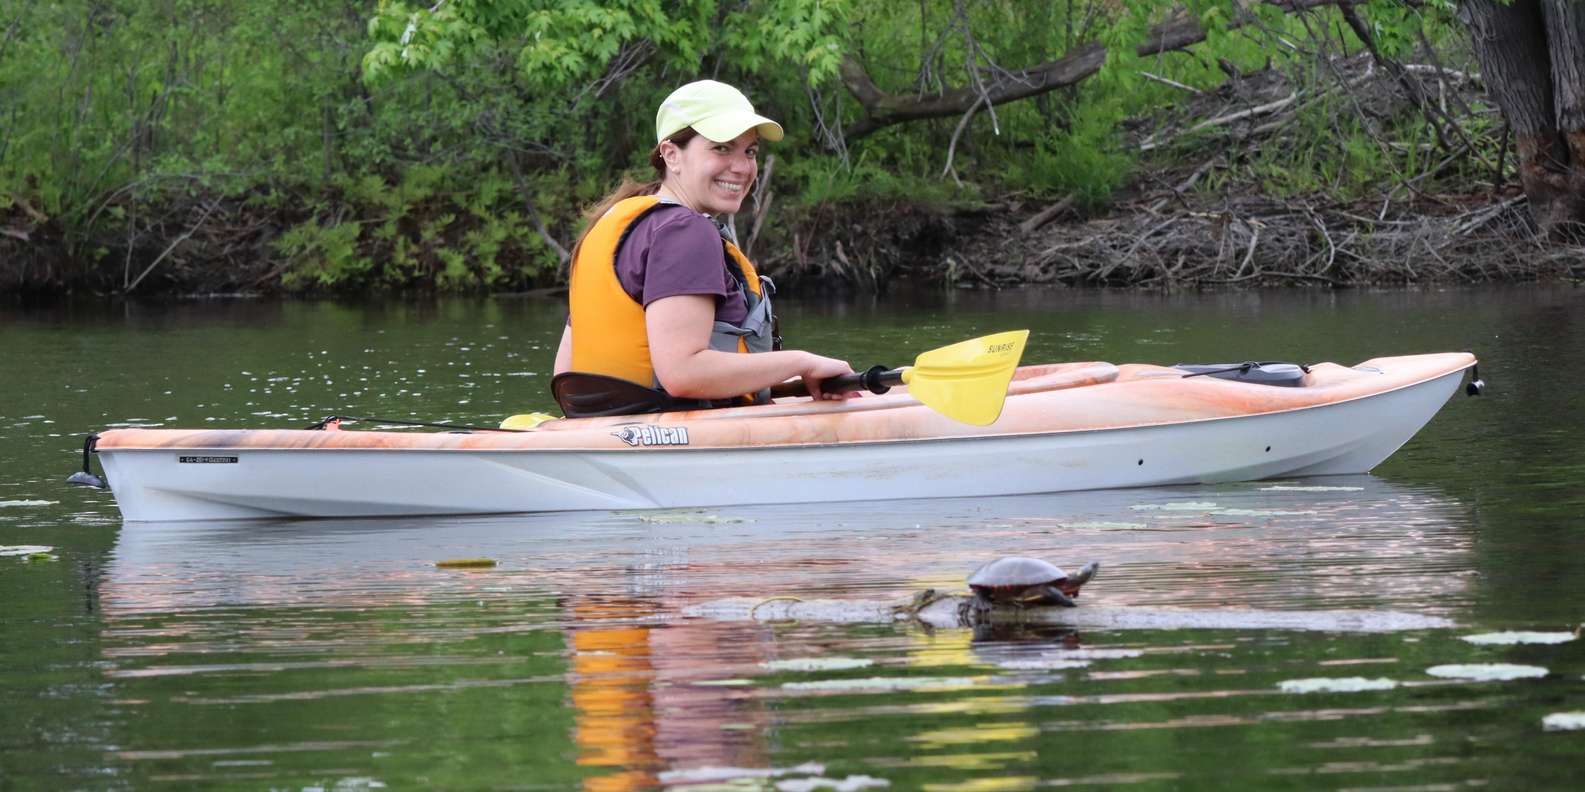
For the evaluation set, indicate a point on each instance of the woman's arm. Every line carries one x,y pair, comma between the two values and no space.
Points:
679,347
564,351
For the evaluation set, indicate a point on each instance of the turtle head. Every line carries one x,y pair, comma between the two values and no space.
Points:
1070,584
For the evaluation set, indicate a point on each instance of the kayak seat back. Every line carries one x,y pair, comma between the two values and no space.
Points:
1287,375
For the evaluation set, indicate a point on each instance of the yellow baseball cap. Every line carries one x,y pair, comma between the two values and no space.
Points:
716,110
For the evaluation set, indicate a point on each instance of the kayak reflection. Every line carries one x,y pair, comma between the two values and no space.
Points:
582,647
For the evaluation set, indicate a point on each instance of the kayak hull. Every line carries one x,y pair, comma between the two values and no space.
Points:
645,462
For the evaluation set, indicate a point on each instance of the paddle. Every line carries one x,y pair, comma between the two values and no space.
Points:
966,381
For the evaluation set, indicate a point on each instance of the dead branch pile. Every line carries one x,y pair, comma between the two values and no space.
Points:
1256,241
1166,232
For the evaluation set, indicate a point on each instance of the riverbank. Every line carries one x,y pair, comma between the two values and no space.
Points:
1166,238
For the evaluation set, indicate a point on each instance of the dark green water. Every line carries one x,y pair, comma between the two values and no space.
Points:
335,655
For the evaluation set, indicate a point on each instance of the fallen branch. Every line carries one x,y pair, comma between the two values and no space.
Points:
172,246
1260,110
1045,215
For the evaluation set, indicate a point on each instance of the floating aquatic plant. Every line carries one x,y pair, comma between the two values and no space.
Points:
1487,672
466,563
816,664
1335,685
1520,637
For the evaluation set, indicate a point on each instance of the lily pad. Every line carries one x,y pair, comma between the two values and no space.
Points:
816,664
1487,672
1564,721
465,563
1520,637
1335,685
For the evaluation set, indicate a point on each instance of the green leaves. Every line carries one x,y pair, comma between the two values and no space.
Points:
806,35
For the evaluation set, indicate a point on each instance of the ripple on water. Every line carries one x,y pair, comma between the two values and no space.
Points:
1513,638
1487,672
1564,721
1335,685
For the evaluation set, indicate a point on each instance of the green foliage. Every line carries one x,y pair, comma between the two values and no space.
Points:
825,181
1084,161
426,144
325,255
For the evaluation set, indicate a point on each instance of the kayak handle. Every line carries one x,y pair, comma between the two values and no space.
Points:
86,477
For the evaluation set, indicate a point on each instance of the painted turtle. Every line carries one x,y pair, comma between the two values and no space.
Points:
1026,581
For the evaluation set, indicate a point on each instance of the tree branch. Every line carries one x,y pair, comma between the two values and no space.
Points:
882,109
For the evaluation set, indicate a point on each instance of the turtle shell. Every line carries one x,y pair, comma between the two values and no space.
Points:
1015,572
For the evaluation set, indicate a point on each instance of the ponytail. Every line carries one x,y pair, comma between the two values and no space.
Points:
630,189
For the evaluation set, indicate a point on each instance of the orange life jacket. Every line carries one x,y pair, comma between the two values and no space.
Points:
608,332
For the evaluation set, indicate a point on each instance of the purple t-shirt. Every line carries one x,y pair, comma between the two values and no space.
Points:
675,250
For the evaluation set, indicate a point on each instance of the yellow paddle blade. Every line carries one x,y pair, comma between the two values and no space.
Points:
967,381
526,421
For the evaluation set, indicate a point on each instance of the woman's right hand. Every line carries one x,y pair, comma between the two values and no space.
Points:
817,368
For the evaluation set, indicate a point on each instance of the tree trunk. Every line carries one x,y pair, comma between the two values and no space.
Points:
1532,54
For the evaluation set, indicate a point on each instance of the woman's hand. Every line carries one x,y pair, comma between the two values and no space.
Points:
817,368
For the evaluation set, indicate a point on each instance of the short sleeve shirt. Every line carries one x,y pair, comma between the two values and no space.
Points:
674,250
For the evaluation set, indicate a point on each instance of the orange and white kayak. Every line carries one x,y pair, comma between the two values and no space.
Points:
1063,427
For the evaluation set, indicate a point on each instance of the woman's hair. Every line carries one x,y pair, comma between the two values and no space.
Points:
630,188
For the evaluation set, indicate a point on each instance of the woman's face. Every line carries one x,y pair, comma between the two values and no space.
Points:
710,177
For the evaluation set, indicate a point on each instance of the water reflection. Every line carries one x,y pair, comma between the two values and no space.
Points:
581,634
1344,542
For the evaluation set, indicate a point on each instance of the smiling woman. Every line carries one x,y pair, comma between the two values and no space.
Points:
660,295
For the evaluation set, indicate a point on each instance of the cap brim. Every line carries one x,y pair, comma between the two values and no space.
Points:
726,127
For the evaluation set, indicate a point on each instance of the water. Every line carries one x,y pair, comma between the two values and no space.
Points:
637,650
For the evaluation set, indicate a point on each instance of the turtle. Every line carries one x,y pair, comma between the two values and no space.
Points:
1022,582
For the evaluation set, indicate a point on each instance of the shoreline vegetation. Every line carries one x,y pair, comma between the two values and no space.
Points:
187,147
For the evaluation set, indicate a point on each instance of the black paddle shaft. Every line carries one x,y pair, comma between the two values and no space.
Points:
877,379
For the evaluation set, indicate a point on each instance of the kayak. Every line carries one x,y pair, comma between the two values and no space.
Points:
1063,427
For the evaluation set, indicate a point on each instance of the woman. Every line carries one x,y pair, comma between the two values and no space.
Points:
658,297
